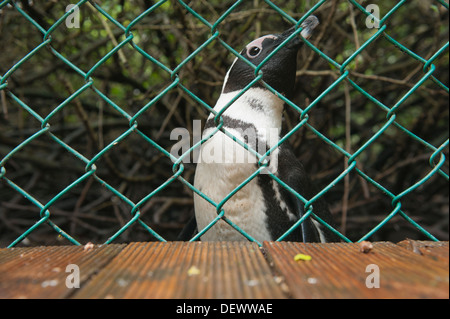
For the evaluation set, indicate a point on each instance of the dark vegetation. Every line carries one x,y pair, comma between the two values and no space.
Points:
90,211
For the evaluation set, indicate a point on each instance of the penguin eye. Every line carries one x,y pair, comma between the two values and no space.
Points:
253,52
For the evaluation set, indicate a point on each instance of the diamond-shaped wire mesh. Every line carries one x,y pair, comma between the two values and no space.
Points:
88,111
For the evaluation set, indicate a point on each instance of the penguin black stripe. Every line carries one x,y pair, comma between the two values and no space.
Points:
230,123
250,133
262,208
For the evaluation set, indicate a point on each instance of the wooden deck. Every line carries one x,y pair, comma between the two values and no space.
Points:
227,270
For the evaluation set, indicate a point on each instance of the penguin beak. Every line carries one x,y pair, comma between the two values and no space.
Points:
307,26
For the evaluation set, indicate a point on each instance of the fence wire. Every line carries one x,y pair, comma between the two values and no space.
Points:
128,37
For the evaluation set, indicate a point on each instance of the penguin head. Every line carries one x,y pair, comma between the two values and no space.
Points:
279,71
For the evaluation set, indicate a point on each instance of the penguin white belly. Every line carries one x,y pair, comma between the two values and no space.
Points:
216,177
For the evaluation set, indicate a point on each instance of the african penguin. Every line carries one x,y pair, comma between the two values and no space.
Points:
262,208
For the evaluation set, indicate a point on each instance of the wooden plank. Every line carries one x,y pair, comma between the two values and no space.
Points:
185,270
226,270
338,270
40,272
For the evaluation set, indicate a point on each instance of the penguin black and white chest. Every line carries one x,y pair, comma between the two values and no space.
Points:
261,207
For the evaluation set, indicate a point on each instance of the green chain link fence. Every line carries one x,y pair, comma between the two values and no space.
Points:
438,162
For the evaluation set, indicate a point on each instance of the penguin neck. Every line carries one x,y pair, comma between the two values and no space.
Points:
257,106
